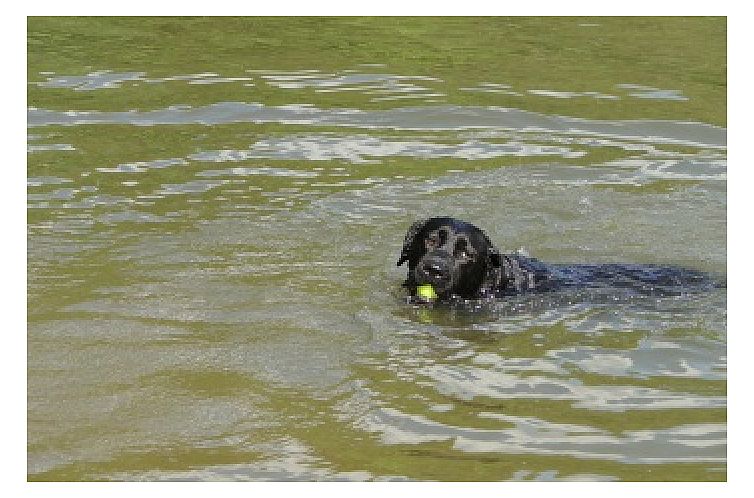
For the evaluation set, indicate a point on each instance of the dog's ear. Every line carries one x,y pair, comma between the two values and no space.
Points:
410,248
493,254
495,257
495,274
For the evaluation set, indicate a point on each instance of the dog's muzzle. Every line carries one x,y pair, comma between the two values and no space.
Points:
434,269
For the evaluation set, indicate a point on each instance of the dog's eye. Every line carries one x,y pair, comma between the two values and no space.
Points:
443,234
431,242
462,250
436,239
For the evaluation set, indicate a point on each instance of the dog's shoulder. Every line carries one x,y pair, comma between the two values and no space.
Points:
522,273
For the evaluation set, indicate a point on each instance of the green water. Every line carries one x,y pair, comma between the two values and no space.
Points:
216,205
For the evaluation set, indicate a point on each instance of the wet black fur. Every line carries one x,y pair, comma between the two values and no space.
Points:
460,261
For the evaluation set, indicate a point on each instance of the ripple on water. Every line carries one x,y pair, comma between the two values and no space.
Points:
697,442
357,149
407,118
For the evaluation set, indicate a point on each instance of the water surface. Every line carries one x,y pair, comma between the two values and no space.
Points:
211,257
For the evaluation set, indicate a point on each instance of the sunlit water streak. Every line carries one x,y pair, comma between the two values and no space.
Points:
410,118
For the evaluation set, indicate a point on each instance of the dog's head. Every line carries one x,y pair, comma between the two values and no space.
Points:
454,257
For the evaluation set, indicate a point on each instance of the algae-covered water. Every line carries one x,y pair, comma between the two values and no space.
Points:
216,206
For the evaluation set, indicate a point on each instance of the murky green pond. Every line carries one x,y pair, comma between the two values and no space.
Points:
215,208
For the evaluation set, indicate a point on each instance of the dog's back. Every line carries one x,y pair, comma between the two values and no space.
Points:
537,276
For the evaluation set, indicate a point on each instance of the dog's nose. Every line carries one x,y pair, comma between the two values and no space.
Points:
434,270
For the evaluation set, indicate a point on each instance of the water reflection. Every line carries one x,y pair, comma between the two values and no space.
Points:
382,87
385,86
357,149
408,118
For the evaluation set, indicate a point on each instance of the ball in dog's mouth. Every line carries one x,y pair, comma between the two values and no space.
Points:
427,292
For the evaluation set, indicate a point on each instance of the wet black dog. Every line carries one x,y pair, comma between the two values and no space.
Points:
459,261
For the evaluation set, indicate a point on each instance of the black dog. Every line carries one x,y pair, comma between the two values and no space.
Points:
459,261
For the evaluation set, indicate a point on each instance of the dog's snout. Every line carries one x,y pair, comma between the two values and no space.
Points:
433,269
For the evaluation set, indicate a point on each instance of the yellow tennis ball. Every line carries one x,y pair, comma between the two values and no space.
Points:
426,291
